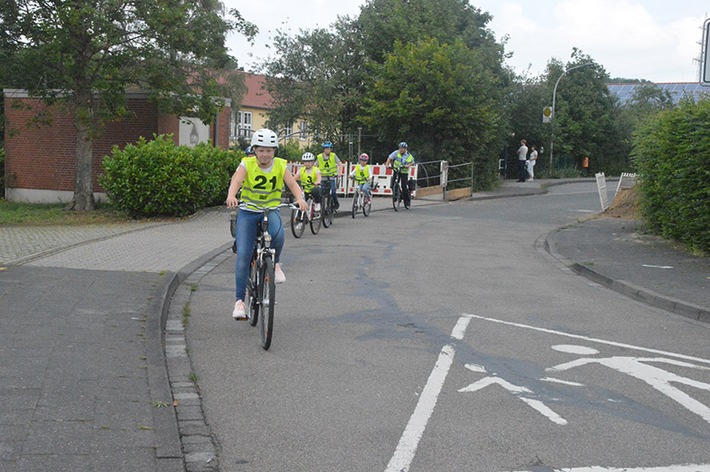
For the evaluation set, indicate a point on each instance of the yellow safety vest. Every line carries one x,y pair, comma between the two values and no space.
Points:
328,167
263,189
308,179
362,174
400,161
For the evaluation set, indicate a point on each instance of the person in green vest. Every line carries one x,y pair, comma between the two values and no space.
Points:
329,164
261,179
309,178
362,176
400,161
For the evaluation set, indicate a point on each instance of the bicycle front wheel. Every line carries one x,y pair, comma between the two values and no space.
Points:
315,222
298,223
355,197
395,196
251,299
326,210
367,206
268,303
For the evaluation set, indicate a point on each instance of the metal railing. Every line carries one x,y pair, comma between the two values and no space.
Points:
445,176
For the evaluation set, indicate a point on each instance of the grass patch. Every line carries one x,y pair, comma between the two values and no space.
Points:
46,214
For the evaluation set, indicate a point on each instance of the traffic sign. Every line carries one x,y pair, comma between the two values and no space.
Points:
547,115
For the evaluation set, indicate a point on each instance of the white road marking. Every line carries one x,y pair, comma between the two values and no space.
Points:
407,447
656,266
564,382
593,340
668,468
518,391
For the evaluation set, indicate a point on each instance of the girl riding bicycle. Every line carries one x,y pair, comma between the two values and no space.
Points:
361,175
309,178
261,180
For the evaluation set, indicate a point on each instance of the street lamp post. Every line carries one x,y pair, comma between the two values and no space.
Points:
554,96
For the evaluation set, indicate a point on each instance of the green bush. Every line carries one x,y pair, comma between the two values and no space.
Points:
158,178
672,155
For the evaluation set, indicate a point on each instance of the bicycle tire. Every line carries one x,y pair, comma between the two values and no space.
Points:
355,197
268,303
325,209
315,222
251,298
329,214
298,223
395,195
366,207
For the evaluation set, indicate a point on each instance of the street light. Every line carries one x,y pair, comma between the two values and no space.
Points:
554,95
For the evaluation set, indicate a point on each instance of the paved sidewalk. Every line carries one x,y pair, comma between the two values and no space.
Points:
87,320
83,379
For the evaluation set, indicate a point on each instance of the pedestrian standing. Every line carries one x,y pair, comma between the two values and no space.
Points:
522,160
531,162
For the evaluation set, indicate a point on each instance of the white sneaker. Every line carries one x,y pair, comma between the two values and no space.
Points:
239,312
316,207
279,276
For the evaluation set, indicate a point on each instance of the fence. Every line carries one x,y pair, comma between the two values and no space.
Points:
431,177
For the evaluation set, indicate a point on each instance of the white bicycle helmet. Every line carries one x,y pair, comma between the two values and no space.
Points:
265,137
308,156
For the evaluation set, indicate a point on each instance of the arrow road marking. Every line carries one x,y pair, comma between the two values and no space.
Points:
517,391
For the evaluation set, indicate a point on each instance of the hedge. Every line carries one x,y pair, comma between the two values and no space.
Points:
158,178
672,155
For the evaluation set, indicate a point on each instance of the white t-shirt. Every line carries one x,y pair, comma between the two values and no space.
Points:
522,152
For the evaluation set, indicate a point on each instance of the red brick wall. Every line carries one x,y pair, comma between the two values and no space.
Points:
42,157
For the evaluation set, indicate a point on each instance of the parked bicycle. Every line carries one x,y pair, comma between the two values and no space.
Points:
327,203
299,219
399,194
260,298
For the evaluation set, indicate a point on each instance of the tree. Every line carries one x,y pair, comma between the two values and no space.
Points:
449,102
586,116
83,54
321,75
315,76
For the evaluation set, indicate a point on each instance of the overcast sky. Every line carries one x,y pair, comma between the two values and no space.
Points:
655,40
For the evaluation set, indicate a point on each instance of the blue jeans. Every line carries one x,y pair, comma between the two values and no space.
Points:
333,189
246,236
365,188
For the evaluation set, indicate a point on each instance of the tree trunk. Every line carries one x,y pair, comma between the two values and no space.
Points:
84,188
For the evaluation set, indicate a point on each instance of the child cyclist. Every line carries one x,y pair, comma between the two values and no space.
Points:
362,177
261,180
308,177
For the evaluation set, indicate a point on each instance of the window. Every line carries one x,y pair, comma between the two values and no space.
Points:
244,122
303,130
288,130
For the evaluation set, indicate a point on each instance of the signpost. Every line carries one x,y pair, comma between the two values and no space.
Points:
705,67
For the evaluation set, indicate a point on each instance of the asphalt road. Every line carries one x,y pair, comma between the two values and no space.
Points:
444,338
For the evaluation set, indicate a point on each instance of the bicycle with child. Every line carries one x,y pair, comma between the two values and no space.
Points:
260,298
311,217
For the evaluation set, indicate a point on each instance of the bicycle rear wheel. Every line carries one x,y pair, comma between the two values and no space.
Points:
251,299
268,303
298,223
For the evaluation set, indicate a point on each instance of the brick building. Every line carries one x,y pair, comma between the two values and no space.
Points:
40,160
